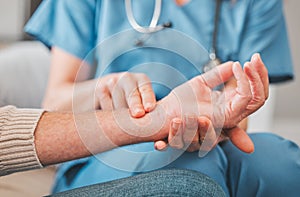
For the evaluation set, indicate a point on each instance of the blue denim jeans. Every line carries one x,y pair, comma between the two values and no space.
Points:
171,182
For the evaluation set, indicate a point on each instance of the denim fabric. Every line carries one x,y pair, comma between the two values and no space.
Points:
95,170
272,170
172,182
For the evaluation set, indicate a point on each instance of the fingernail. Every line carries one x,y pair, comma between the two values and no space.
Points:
155,147
160,147
256,57
175,124
237,63
149,106
138,111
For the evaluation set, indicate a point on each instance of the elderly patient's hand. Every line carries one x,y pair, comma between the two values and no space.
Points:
224,108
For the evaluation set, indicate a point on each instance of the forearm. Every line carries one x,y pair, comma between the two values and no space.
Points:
62,97
68,80
62,137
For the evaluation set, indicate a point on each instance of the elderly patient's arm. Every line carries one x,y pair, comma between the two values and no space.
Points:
61,137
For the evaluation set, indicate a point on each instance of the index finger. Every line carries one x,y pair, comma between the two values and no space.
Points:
146,92
218,75
128,82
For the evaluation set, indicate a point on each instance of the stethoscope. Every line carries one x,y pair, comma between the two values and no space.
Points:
154,27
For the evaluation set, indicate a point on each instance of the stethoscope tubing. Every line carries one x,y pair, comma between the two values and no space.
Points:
153,27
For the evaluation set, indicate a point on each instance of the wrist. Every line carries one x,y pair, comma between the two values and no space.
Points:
170,105
129,130
162,117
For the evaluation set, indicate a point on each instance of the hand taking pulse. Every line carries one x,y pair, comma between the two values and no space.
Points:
125,90
231,106
225,109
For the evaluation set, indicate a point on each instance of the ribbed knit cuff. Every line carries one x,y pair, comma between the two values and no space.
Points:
17,146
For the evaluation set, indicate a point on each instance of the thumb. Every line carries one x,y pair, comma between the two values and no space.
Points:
240,139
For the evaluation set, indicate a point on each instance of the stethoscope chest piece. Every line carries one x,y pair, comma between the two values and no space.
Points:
213,62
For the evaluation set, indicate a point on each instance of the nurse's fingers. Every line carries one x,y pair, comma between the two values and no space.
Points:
240,139
174,138
208,136
161,145
117,93
103,98
190,133
146,92
139,94
128,82
175,134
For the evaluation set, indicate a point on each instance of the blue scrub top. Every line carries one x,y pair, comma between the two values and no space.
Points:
245,27
87,27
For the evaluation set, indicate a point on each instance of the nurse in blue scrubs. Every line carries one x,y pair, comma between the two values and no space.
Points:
102,33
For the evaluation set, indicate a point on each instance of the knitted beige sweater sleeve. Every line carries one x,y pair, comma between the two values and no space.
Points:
17,150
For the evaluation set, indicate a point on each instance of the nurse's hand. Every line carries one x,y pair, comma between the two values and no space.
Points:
125,90
191,134
198,134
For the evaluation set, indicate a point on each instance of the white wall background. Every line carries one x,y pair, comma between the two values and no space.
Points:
288,95
13,14
287,101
